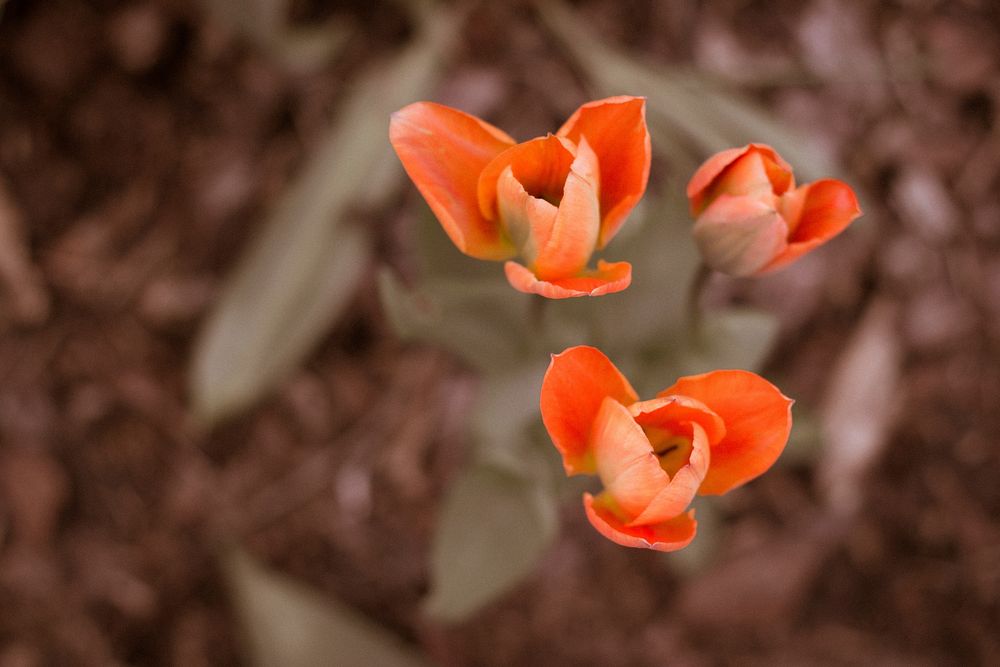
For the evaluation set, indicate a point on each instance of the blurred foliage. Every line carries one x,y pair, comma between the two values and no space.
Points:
266,23
493,527
284,624
690,115
467,307
297,276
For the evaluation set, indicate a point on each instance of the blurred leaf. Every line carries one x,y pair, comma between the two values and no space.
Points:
860,407
493,529
732,339
439,258
508,400
296,277
703,551
683,106
805,443
664,260
286,624
266,23
483,322
727,339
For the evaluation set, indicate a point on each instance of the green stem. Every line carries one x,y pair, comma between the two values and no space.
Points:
693,309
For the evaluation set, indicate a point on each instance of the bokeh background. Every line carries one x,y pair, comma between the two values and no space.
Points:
146,145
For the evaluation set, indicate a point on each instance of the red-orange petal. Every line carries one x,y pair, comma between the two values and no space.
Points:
539,165
616,129
817,212
778,171
670,535
575,385
609,277
758,419
668,411
444,150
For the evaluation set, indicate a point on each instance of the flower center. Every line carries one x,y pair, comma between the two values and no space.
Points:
672,449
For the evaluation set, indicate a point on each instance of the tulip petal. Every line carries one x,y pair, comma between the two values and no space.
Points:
778,172
626,464
444,150
668,412
578,222
670,535
609,277
740,235
758,419
539,165
616,129
816,213
573,390
680,491
527,220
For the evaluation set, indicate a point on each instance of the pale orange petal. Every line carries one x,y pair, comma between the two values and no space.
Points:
573,390
606,279
740,235
758,419
539,165
527,220
577,224
616,129
670,535
626,464
680,491
816,213
699,187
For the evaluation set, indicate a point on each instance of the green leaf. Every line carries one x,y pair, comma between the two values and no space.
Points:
684,107
493,529
286,624
728,339
702,553
295,279
266,23
508,401
484,322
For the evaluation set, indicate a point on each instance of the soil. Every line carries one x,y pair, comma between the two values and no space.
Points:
140,144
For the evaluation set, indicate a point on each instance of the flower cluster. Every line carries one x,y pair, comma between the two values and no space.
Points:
554,201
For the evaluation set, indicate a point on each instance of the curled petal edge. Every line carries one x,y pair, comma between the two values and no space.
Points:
779,172
670,535
608,278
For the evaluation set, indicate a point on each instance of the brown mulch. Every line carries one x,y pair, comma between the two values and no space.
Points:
140,143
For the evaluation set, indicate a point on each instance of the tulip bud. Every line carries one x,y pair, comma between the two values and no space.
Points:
751,219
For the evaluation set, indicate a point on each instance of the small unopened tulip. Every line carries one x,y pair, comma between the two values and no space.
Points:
751,219
705,434
551,201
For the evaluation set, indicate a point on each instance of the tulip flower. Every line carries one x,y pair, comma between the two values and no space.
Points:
705,435
750,217
552,201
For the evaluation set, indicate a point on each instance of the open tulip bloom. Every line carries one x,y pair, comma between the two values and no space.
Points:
551,201
750,217
706,434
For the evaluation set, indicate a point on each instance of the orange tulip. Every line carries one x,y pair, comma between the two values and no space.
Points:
552,200
705,435
750,217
